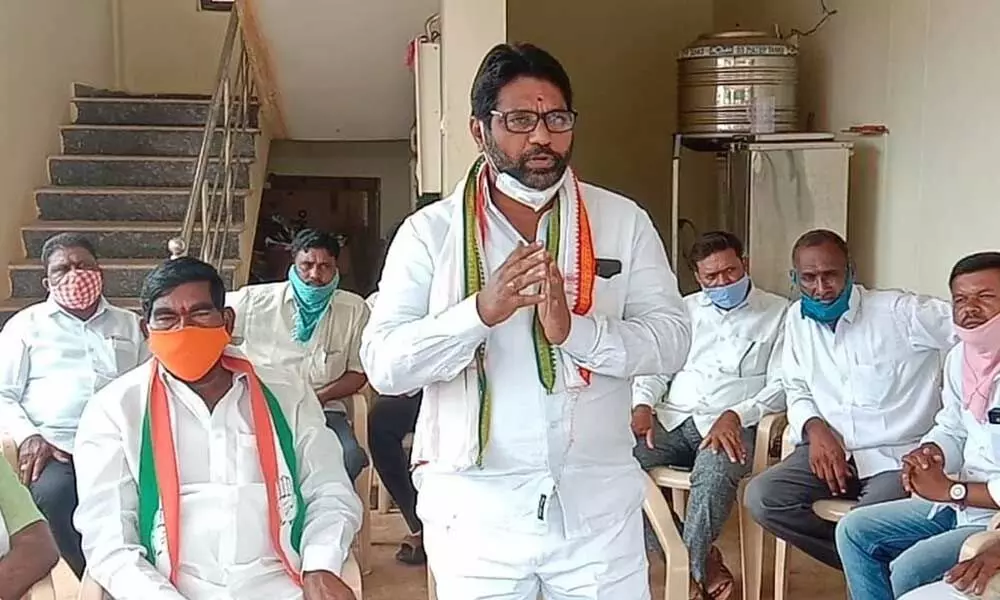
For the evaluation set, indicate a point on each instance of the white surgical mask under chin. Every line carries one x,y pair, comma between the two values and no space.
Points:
528,196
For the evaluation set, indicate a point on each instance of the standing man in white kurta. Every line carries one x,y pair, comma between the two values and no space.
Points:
201,478
523,304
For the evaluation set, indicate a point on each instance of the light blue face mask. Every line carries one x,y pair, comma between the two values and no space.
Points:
827,313
311,302
728,297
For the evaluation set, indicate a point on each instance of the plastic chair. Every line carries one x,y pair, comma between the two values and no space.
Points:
828,510
751,534
44,589
357,406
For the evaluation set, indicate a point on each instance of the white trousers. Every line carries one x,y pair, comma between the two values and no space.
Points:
944,591
470,564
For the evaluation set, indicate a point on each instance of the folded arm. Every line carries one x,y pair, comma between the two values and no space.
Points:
107,514
404,348
949,432
653,334
333,509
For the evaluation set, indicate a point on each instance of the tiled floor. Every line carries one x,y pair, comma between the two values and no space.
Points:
390,580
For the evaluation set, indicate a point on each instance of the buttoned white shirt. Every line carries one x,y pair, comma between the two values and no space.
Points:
51,363
875,379
226,551
265,326
734,364
575,447
971,449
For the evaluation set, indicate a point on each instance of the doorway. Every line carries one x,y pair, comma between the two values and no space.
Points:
347,207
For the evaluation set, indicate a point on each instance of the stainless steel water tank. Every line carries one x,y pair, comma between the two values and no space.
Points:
720,74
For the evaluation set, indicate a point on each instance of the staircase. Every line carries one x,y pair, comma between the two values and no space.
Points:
123,180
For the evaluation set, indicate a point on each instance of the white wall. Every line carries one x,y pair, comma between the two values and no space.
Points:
469,28
45,45
387,161
170,46
930,192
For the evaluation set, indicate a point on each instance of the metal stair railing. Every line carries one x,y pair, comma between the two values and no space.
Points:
208,220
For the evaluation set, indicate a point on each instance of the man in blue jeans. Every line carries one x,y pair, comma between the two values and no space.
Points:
890,549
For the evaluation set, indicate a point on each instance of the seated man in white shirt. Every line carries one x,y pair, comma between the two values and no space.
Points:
862,377
708,421
27,551
53,357
893,548
203,479
311,329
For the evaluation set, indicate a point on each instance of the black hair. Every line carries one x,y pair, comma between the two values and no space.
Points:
711,242
505,63
64,241
973,263
820,237
176,272
307,239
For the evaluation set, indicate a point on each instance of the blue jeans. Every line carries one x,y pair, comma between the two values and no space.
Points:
892,548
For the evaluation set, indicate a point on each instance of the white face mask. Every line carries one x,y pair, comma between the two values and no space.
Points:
528,196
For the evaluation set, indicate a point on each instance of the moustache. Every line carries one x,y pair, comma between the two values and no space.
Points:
542,153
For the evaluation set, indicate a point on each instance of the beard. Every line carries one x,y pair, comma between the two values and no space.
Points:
538,179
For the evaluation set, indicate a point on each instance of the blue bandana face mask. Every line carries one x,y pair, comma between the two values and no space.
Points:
728,297
310,302
828,313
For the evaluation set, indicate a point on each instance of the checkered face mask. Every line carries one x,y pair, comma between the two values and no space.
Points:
78,289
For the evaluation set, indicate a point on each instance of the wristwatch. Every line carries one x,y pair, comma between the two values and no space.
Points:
958,492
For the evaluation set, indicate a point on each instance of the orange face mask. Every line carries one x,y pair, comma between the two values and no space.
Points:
189,353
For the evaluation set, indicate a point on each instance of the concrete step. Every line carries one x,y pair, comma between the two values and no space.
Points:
82,90
140,140
139,171
11,306
122,277
115,239
145,111
120,204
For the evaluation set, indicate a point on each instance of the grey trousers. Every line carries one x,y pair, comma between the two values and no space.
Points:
781,500
714,482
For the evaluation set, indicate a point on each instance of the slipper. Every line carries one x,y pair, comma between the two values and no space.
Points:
411,554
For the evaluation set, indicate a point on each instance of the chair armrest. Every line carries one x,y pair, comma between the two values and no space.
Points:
770,428
9,450
351,574
43,590
661,519
786,442
90,589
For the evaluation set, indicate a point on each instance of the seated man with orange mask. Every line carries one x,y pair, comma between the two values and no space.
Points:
201,478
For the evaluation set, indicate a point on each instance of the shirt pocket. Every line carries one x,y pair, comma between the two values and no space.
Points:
118,356
871,382
742,356
327,366
247,460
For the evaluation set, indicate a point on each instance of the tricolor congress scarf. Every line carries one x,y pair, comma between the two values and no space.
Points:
568,239
159,483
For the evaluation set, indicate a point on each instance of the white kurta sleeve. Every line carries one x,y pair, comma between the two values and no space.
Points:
13,381
949,431
404,348
927,321
107,514
653,334
333,509
801,406
648,390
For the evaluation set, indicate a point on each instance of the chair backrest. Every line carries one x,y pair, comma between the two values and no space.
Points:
91,590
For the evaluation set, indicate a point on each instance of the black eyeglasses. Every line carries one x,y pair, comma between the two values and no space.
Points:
525,121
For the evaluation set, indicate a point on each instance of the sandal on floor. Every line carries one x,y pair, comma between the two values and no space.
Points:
411,554
721,584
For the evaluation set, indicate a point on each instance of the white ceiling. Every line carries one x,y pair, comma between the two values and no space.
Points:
340,67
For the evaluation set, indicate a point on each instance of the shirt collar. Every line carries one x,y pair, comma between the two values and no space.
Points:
854,305
53,308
